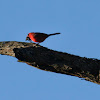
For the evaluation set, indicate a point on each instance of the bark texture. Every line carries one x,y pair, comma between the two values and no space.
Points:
54,61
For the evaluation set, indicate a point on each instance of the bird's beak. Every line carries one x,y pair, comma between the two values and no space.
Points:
27,38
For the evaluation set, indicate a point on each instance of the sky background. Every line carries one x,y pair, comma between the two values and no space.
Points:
79,24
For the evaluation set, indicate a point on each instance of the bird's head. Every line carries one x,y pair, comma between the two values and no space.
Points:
27,38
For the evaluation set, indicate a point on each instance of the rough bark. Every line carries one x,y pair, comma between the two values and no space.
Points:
54,61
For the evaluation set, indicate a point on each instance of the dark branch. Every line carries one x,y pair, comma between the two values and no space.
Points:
54,61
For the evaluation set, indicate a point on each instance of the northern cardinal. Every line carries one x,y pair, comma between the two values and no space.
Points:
38,37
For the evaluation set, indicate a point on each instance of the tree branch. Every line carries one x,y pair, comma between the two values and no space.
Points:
54,61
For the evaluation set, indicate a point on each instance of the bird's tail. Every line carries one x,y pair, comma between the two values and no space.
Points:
54,34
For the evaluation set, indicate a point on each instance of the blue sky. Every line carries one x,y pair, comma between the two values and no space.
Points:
79,24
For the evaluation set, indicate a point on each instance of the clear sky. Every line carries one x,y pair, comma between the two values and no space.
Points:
79,24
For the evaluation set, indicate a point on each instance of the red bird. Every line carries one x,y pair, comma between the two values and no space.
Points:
38,37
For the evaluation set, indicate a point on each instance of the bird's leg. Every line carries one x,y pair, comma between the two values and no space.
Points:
38,43
30,41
